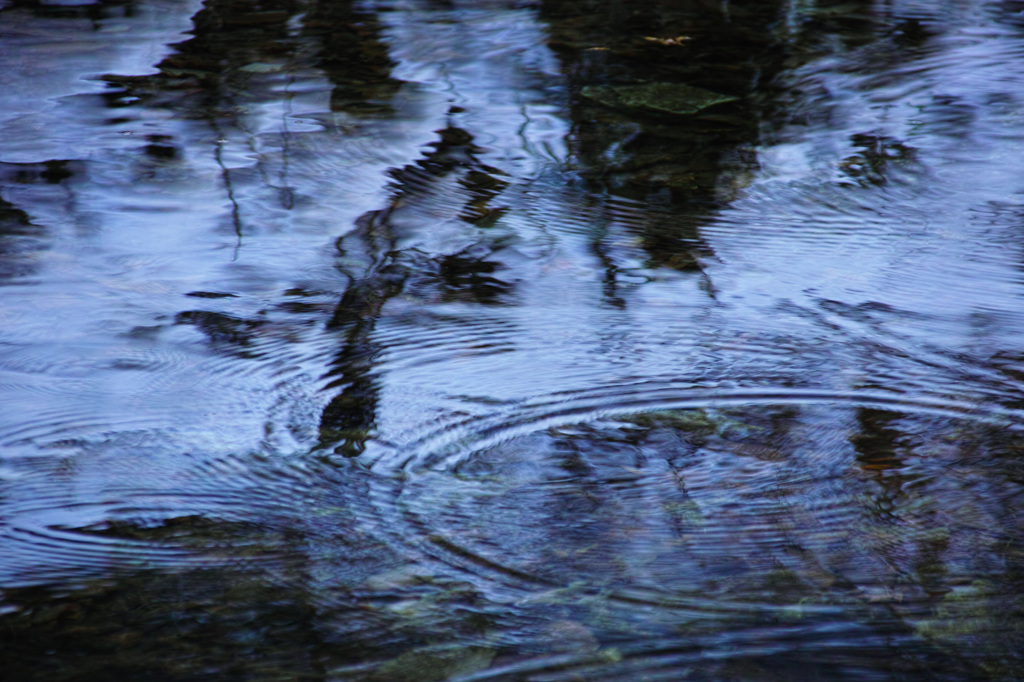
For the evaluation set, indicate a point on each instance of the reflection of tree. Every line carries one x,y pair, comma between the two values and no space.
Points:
728,48
21,236
384,257
681,166
218,74
215,76
93,11
18,236
352,56
350,415
230,35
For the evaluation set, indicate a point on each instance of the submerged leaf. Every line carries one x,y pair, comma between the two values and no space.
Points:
673,98
679,40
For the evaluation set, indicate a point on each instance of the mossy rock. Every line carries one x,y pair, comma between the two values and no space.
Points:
671,98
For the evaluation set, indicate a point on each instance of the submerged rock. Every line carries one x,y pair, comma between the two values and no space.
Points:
672,98
433,664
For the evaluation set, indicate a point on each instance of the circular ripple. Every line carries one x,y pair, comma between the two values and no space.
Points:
136,508
448,444
825,517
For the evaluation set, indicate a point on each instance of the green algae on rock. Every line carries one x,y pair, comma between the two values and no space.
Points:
672,98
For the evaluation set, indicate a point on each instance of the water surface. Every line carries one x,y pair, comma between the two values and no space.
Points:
403,340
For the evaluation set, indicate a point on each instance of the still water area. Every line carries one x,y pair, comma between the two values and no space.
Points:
422,340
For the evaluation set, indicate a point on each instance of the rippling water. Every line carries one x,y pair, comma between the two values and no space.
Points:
358,340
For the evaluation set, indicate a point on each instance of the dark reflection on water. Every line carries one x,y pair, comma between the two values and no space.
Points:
414,340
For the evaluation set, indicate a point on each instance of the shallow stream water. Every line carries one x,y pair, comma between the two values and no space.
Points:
451,339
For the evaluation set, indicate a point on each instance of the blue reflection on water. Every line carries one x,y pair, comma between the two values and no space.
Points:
351,340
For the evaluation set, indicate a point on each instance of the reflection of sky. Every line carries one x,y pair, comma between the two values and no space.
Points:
92,363
45,60
92,356
937,239
128,237
493,63
166,354
873,246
